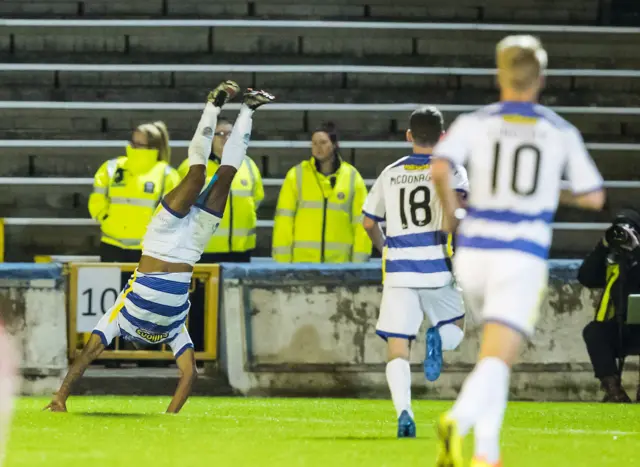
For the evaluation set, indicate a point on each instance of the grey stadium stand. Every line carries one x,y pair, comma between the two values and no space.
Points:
545,11
445,64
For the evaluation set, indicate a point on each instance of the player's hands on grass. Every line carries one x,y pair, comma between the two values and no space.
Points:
56,405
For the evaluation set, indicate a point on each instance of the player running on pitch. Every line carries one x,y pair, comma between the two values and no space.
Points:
517,152
153,306
417,269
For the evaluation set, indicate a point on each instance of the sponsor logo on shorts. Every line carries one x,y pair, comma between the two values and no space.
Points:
149,187
150,336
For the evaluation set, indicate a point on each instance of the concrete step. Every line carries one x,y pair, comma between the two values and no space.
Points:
147,382
565,49
273,163
302,87
321,92
290,124
527,11
23,243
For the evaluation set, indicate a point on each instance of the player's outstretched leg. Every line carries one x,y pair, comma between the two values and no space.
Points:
482,401
442,337
181,198
214,196
433,362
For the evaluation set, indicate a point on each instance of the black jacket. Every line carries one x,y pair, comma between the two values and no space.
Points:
600,271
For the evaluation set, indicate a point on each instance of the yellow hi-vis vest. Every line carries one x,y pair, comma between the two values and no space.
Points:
318,223
124,203
237,230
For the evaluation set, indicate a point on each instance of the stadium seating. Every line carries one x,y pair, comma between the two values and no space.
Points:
545,11
584,63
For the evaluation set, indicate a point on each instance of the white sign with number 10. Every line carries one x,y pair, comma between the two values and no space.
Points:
98,289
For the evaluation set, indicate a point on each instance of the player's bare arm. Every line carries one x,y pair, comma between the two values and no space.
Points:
375,232
441,176
188,375
593,201
90,352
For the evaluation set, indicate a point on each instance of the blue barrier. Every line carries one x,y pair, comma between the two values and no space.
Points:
311,273
30,271
559,270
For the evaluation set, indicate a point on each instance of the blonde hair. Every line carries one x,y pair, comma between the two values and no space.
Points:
521,61
158,137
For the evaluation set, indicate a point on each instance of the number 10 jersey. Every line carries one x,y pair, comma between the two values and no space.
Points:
416,248
516,153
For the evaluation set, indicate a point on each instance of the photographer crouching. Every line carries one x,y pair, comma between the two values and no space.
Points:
614,265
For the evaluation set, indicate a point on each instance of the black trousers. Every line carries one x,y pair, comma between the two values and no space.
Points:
196,314
232,257
604,346
113,254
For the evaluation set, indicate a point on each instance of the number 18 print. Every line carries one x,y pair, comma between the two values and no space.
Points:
418,203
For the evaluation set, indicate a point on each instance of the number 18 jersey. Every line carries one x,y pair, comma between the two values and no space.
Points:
416,249
517,153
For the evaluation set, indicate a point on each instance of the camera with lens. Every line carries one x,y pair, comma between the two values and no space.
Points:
624,234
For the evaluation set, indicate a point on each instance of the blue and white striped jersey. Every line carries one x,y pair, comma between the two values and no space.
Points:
416,247
154,308
516,153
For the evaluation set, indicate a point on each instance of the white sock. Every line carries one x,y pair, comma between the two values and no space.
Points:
200,145
473,400
235,149
451,336
487,428
399,380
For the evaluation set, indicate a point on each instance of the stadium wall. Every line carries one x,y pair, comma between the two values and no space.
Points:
33,308
310,330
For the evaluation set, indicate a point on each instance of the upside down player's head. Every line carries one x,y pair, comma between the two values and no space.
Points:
426,126
521,62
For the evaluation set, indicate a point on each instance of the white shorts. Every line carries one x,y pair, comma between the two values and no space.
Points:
403,309
152,309
502,286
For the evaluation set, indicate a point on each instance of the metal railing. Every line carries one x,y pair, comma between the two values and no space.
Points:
92,144
84,222
291,107
86,181
295,24
338,68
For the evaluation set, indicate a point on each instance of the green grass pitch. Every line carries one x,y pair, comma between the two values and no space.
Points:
132,432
